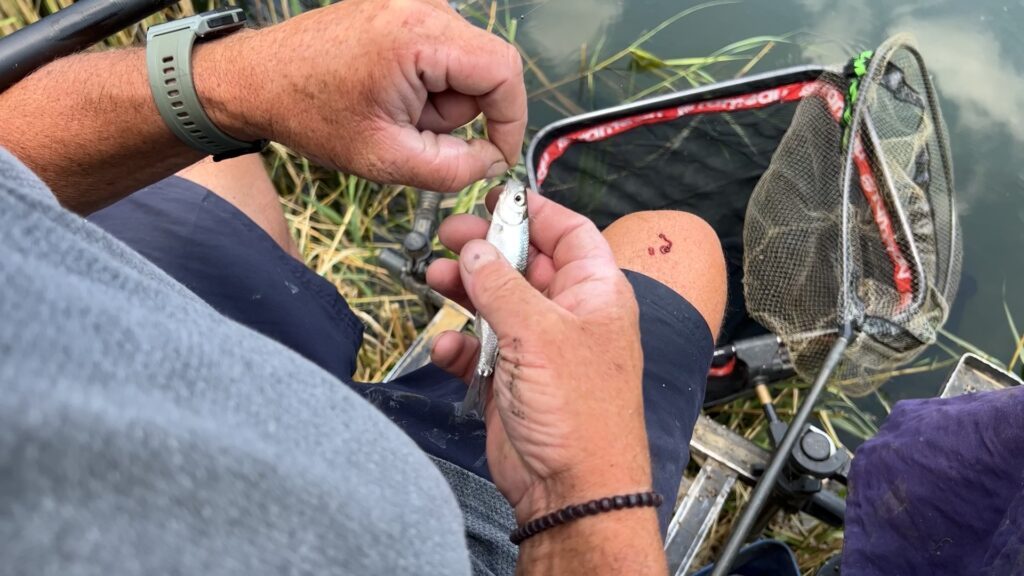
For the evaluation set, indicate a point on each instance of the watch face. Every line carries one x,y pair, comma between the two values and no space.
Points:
220,21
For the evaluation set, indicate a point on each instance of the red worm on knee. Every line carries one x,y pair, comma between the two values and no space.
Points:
668,244
664,249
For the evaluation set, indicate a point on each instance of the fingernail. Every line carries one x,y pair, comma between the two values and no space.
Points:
477,253
497,169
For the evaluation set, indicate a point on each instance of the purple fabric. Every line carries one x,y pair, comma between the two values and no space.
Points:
940,490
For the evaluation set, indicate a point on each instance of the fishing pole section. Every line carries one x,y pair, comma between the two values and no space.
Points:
67,31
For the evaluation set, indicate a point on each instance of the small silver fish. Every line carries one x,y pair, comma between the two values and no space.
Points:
510,233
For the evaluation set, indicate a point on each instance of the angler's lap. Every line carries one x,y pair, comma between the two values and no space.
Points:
225,258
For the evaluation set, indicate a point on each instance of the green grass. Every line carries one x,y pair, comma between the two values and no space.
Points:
341,221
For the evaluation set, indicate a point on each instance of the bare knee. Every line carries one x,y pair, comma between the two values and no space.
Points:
678,249
244,183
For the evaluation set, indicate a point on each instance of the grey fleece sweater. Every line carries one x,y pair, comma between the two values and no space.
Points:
143,433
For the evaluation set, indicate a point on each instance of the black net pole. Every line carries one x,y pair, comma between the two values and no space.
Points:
65,32
766,483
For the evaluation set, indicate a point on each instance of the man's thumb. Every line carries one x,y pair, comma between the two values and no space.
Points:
497,290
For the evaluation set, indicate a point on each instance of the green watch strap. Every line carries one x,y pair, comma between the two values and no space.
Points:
169,62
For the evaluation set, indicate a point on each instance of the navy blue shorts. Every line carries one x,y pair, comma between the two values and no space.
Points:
226,259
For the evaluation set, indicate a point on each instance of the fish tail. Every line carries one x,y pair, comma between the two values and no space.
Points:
476,397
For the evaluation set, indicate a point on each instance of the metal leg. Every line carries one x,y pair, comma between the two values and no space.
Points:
451,316
728,457
975,374
696,514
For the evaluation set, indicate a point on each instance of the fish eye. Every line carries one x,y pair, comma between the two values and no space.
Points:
518,198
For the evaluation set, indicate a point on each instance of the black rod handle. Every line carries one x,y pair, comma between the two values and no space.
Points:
74,28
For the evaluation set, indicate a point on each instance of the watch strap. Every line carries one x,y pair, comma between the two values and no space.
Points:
169,62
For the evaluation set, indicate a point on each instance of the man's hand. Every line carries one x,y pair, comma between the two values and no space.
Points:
374,87
565,423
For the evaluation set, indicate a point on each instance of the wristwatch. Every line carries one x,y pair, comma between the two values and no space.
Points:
169,62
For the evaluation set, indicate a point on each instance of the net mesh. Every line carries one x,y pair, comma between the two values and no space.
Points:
857,225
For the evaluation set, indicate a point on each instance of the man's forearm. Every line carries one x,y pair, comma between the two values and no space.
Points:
88,126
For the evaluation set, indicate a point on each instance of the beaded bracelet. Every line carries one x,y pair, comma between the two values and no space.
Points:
577,511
